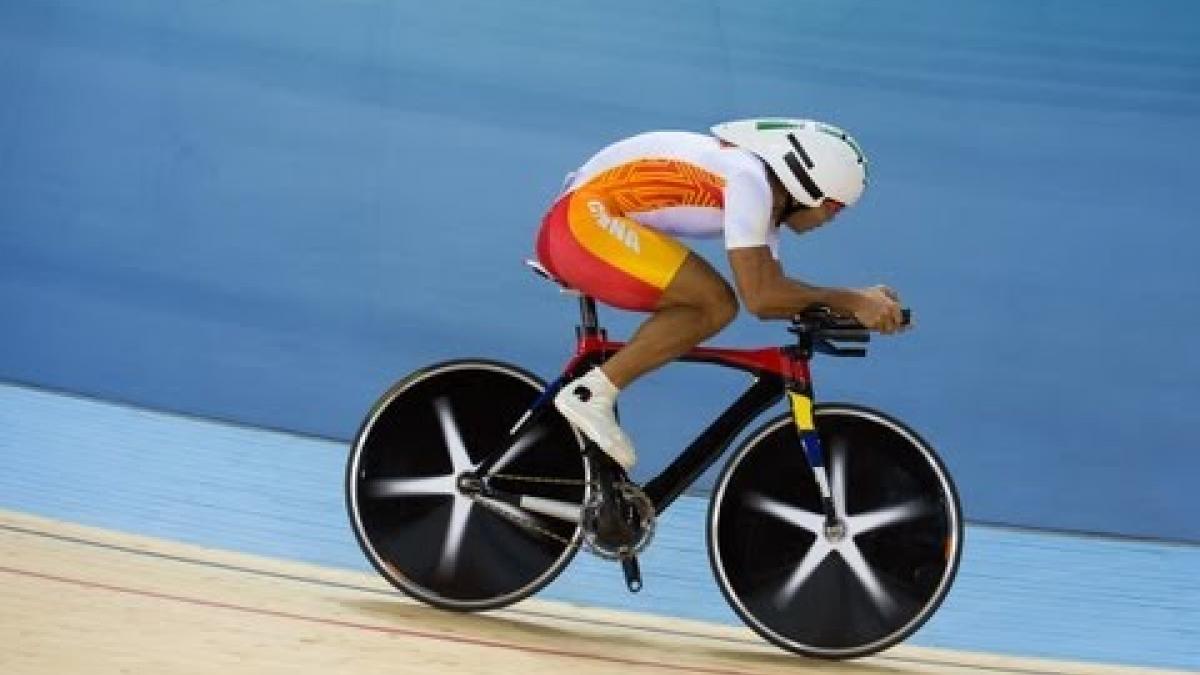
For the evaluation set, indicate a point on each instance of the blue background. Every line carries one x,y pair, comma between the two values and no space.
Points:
265,211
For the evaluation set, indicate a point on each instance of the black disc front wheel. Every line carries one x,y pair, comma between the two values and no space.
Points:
845,588
415,501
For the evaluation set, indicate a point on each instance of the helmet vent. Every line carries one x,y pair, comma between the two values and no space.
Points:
793,161
800,151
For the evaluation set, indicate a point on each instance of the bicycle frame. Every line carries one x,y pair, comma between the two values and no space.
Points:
547,493
776,371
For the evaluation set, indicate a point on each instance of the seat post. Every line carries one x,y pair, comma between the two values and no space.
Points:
589,323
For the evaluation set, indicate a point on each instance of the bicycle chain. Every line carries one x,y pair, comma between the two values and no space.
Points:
543,479
519,522
529,524
533,526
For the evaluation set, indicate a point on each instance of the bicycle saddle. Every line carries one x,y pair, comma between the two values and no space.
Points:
544,273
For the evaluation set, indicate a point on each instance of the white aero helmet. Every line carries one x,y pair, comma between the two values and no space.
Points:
814,161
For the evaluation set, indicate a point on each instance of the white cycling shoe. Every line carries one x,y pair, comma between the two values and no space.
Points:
588,403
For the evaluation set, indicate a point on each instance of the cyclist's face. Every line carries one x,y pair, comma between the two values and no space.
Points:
806,220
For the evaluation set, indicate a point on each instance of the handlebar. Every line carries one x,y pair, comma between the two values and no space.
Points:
818,328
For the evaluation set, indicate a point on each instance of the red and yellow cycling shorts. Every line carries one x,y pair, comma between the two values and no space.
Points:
587,242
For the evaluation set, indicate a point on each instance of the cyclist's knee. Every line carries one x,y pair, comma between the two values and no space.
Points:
699,286
717,304
721,307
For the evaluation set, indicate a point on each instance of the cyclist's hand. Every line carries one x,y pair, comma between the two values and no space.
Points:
879,309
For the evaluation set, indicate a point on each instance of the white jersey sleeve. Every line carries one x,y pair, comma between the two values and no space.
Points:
748,208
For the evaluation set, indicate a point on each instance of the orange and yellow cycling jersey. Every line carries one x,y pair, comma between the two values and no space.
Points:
611,234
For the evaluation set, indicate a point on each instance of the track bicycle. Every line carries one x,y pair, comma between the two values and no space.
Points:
834,530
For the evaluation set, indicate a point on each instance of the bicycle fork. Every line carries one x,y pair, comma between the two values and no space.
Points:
802,414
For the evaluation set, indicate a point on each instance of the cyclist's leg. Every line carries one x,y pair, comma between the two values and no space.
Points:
627,265
622,263
696,304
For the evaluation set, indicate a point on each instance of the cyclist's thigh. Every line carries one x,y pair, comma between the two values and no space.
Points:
620,262
698,284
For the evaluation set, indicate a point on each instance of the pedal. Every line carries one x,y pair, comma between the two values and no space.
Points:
633,573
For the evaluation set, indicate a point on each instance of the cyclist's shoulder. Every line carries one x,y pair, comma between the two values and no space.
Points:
701,149
665,143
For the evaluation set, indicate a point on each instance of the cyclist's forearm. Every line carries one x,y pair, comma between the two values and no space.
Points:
787,297
768,293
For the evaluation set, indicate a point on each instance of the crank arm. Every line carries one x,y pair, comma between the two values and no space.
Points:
633,573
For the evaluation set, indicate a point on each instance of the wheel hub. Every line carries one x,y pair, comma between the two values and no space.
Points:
835,531
469,484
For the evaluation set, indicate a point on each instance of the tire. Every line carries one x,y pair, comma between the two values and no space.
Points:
888,573
418,530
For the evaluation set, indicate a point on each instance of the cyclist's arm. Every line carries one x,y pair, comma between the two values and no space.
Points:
769,294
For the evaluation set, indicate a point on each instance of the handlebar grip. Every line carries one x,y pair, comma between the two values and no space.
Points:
828,320
851,322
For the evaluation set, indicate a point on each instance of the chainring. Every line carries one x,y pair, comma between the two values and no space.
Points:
636,512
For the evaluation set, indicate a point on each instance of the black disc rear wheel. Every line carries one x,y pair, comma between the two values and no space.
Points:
853,589
428,536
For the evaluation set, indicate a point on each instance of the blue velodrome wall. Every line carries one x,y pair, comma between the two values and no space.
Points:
266,210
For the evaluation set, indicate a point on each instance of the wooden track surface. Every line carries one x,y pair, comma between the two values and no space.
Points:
76,599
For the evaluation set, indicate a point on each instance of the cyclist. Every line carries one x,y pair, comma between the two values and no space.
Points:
611,235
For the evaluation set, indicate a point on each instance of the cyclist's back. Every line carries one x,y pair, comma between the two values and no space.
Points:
682,183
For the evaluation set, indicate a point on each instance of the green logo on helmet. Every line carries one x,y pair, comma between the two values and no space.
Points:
773,125
838,133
